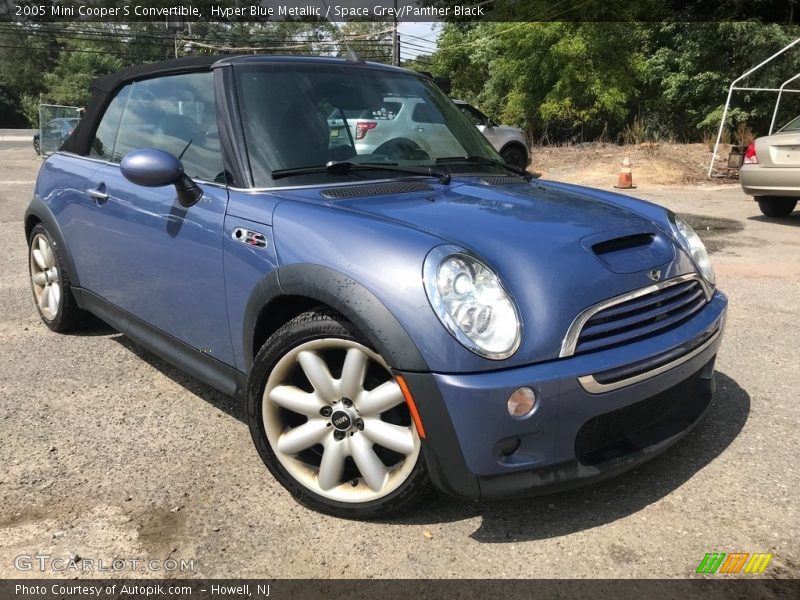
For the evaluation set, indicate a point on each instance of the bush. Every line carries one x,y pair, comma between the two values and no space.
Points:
30,108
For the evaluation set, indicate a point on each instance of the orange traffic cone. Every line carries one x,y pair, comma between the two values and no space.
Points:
625,179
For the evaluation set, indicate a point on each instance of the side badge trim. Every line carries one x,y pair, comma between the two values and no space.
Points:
251,238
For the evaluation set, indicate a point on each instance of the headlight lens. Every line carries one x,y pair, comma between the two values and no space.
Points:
471,303
695,247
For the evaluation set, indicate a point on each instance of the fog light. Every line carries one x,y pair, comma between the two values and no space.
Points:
521,402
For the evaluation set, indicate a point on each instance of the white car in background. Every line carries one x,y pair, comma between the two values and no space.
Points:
398,120
397,116
509,141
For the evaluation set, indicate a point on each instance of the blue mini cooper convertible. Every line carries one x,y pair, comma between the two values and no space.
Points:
422,315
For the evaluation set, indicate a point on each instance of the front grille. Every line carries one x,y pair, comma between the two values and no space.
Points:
377,189
642,424
642,316
654,362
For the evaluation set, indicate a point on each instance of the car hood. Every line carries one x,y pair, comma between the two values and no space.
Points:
558,248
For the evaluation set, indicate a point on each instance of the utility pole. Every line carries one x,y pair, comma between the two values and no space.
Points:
395,39
175,25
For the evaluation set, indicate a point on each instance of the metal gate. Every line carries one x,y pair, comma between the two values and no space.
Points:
56,122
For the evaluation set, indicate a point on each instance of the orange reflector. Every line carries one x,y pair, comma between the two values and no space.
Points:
412,407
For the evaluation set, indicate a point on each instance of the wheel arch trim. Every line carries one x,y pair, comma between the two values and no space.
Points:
38,211
516,143
342,294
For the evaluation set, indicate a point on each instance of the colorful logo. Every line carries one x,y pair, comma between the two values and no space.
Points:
739,562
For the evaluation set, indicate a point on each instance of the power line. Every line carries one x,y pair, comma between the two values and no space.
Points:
420,39
420,48
166,36
33,48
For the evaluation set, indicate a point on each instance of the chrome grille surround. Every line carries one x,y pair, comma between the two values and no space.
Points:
570,342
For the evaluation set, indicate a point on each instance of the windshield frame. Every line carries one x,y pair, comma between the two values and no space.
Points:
462,129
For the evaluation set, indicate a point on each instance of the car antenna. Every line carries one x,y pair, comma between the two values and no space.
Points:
351,55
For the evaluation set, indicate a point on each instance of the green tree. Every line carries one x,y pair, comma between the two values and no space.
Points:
568,79
689,67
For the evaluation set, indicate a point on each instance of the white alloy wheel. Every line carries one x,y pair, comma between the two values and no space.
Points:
45,278
348,438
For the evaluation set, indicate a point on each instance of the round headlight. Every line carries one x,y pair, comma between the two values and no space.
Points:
695,247
471,303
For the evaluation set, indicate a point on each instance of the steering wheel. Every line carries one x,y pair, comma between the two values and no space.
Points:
402,148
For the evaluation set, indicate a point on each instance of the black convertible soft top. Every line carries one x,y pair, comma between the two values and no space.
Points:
104,88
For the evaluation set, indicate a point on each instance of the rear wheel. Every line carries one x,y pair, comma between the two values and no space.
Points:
50,282
401,148
331,423
776,207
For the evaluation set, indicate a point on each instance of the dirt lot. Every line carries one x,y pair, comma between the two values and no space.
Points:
653,164
108,452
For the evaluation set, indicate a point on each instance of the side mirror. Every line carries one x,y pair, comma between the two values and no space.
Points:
156,168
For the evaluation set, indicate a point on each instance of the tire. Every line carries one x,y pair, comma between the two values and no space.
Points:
776,207
50,283
361,479
401,148
515,156
36,147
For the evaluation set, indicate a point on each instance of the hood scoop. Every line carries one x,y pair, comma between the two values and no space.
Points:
626,242
629,250
376,189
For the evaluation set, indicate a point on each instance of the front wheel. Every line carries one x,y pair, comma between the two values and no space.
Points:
331,423
776,207
515,156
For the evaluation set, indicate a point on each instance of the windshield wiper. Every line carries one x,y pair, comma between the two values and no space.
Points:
484,160
344,166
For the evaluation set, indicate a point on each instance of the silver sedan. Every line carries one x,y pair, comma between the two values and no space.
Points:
771,170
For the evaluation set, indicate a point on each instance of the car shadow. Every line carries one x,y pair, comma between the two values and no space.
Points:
226,404
554,515
91,326
792,220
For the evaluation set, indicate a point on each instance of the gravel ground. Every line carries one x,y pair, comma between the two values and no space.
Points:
108,452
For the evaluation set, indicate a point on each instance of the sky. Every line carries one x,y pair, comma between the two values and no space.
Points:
410,43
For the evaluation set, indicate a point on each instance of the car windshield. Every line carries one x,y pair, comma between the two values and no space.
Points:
357,114
793,125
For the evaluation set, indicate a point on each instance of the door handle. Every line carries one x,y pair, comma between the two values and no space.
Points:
97,194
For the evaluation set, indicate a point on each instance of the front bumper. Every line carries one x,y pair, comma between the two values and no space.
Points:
579,432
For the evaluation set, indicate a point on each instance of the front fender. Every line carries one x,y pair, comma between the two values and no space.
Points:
344,295
444,460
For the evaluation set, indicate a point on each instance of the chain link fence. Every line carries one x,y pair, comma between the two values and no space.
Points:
56,122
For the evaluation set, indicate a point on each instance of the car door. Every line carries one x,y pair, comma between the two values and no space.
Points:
148,255
431,132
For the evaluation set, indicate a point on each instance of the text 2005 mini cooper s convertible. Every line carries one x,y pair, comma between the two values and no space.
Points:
420,316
